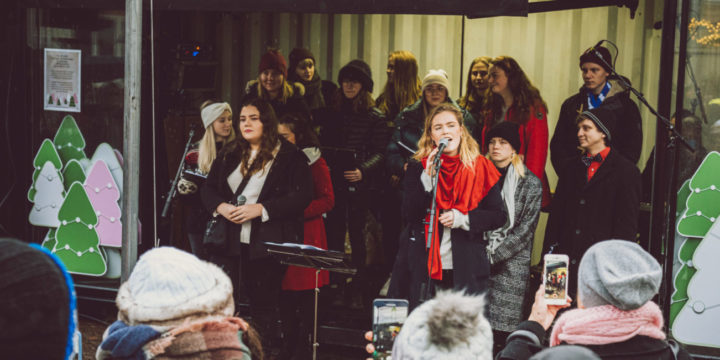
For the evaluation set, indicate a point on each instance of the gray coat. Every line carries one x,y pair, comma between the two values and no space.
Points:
510,273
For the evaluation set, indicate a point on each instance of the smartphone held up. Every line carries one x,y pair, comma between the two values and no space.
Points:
555,278
388,317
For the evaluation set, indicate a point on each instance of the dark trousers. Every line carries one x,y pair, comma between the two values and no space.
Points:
296,313
196,245
348,215
262,279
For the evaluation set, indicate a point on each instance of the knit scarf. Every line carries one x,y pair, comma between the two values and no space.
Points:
595,101
496,237
607,324
460,188
313,92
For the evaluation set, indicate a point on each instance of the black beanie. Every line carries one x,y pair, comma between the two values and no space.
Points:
590,56
357,70
603,118
296,56
507,130
34,304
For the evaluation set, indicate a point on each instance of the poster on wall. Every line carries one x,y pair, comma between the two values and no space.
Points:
62,80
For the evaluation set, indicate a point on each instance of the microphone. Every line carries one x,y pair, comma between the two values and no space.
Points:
241,200
442,144
598,44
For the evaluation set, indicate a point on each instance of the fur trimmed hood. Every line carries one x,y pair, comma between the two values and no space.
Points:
298,88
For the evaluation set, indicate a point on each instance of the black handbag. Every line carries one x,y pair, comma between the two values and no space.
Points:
215,232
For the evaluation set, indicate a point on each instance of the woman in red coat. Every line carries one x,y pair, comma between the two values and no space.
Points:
297,299
511,97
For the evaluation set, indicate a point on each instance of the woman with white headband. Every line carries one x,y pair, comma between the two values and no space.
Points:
217,121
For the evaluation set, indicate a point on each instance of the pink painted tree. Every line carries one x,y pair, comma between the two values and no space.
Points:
104,194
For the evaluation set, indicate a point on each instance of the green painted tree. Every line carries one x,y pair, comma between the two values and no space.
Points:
49,241
703,203
77,241
44,154
50,99
69,141
73,172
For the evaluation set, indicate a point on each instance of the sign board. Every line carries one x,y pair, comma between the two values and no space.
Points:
62,80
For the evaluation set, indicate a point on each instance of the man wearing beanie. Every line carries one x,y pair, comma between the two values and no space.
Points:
615,319
598,90
598,192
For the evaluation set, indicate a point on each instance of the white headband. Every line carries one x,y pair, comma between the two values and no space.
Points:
213,111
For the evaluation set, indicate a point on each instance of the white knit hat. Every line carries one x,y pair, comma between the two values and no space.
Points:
438,76
213,111
450,326
168,286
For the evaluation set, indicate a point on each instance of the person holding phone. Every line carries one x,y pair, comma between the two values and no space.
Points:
468,204
597,195
275,178
615,316
509,247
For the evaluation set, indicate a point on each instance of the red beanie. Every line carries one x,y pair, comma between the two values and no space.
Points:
273,60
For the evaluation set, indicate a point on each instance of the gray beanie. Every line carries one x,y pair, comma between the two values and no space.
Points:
618,273
566,352
450,326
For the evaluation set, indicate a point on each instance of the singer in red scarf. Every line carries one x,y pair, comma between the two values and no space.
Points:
468,203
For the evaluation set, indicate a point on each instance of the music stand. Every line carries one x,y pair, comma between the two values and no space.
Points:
309,256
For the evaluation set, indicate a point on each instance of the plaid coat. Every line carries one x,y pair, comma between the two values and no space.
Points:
510,272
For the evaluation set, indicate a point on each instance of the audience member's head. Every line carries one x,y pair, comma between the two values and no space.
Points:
618,273
168,287
566,352
37,304
450,326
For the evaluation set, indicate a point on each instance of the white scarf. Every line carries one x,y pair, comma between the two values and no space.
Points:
497,236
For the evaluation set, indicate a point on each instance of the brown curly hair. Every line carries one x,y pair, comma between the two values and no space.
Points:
525,94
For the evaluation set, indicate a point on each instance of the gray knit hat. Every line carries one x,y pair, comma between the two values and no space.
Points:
603,118
450,326
566,352
618,273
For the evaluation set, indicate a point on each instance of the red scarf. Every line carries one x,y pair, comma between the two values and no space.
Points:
460,188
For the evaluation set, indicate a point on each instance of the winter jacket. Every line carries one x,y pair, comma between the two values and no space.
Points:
294,104
471,267
510,270
353,141
586,212
527,340
298,278
626,138
287,191
196,216
533,142
318,93
409,126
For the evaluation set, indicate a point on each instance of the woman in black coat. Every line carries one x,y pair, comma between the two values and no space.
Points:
278,189
469,203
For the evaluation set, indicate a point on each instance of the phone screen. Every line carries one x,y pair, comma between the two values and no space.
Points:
388,317
556,278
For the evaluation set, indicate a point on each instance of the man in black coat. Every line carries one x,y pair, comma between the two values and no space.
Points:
598,193
598,91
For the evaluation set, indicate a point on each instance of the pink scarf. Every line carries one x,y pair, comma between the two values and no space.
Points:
607,324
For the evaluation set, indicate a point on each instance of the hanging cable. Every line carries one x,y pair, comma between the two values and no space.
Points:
156,239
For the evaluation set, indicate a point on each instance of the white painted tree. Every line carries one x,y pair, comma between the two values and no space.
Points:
49,195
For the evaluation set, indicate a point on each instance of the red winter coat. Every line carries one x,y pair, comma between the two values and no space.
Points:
533,143
299,278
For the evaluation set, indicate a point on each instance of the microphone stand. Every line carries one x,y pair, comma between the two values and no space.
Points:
173,188
426,289
698,93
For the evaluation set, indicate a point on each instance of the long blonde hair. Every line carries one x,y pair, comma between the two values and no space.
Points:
404,89
468,150
207,151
